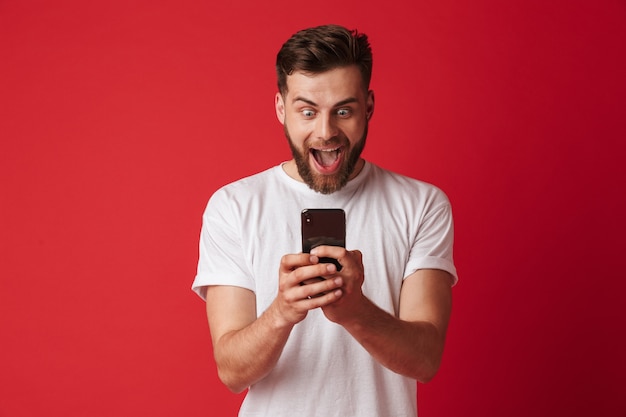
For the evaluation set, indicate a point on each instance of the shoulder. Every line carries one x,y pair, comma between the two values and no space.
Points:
233,200
400,185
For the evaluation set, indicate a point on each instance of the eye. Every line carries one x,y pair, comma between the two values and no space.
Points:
308,113
343,112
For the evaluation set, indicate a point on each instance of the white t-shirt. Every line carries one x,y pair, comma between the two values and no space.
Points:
398,223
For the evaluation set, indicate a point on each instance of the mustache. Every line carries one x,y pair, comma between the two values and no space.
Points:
325,143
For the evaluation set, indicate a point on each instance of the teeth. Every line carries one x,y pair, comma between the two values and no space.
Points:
326,157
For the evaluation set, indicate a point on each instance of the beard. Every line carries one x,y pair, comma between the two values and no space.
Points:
327,184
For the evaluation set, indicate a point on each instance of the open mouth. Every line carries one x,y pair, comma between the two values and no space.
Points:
327,159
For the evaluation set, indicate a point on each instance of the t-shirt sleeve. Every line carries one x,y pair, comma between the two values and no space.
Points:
433,243
221,256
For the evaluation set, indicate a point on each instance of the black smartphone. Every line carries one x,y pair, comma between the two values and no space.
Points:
323,227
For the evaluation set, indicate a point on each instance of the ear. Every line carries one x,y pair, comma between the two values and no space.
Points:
279,104
370,105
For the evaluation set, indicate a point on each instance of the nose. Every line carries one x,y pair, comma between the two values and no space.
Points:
325,127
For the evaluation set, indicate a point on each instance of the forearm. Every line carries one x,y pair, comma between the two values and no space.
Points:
245,356
247,347
410,348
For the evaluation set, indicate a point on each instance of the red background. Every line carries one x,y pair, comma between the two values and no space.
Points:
119,119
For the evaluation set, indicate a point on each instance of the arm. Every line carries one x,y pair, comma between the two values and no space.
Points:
244,352
245,347
411,344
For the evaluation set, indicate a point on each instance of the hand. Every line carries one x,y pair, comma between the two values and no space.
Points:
294,300
352,275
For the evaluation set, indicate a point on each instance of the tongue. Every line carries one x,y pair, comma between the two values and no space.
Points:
326,158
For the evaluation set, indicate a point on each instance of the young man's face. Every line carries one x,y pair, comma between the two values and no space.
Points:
325,118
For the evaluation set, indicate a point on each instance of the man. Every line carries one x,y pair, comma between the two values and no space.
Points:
380,325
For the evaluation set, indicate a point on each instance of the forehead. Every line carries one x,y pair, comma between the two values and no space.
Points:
329,86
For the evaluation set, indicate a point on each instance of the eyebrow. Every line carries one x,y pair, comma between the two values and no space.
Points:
314,104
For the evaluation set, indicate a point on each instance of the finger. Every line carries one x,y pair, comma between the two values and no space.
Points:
292,261
312,280
325,251
312,273
329,290
353,257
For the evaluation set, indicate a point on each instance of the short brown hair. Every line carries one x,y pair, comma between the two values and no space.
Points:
321,49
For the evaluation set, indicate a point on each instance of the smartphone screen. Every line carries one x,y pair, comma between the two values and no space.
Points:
323,227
